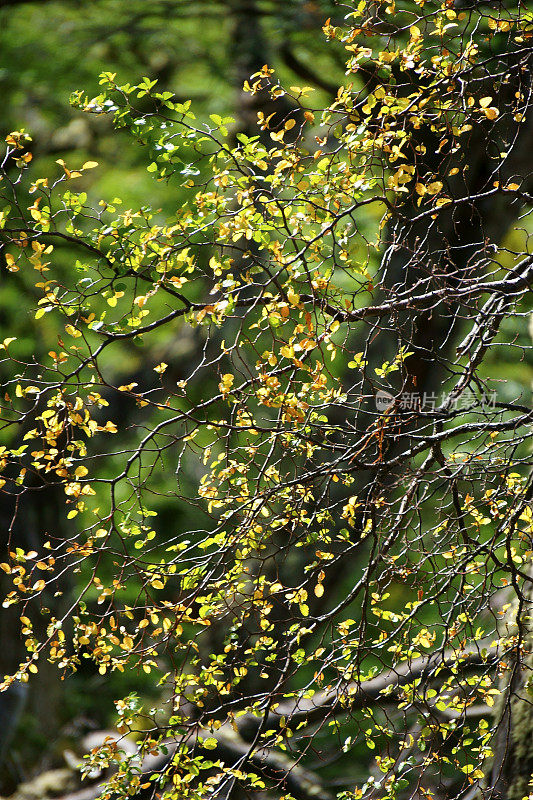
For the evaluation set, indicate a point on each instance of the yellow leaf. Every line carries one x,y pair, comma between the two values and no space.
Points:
226,383
210,744
71,330
90,165
292,297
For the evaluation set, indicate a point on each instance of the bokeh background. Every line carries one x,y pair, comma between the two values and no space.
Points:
201,50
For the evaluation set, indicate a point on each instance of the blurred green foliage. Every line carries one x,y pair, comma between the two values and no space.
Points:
49,50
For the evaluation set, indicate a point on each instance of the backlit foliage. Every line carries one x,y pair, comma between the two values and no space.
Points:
356,586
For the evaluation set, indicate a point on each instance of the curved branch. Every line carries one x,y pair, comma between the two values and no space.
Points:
357,695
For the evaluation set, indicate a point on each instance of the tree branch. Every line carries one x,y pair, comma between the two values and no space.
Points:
276,767
356,695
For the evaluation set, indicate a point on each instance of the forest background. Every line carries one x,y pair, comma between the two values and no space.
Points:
203,52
